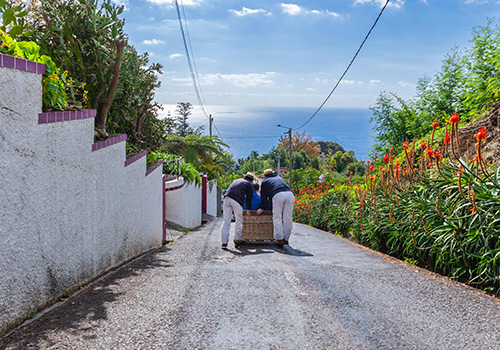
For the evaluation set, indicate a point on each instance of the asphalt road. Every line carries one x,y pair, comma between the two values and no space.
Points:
322,292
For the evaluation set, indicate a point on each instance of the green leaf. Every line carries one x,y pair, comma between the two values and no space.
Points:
8,16
15,31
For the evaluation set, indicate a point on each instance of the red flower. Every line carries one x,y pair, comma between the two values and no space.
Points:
423,144
367,162
429,152
386,158
372,177
454,118
376,154
371,168
391,149
351,173
447,139
476,158
481,134
435,124
438,154
406,145
382,170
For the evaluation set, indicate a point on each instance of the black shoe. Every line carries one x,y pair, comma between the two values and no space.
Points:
285,242
224,246
280,243
237,243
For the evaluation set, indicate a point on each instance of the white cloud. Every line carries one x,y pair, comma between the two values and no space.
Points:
381,3
239,80
153,42
246,11
175,55
326,12
468,2
351,82
375,82
291,9
294,10
310,89
172,2
206,59
405,84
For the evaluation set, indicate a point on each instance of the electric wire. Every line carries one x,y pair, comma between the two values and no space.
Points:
347,69
190,59
202,97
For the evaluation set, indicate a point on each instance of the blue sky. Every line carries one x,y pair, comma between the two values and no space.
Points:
273,53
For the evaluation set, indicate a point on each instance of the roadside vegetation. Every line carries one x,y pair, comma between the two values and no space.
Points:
430,193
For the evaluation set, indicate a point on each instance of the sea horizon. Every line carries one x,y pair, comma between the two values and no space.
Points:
247,129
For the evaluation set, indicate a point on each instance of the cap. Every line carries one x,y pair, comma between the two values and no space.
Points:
268,172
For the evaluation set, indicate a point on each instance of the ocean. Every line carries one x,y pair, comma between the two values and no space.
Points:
254,128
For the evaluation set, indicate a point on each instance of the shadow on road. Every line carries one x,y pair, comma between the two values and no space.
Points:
253,249
89,306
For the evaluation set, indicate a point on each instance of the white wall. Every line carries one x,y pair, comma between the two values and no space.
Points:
183,203
212,198
68,214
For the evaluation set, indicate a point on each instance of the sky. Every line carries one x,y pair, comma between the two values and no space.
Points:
273,53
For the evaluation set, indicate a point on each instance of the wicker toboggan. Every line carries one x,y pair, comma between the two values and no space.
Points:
257,228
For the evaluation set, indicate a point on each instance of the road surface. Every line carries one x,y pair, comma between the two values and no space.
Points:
321,292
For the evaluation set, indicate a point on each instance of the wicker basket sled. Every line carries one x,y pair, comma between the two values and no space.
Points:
258,228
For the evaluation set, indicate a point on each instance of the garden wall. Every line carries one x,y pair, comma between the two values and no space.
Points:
183,203
71,209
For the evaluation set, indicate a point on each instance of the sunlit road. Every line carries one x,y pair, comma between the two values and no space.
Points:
322,292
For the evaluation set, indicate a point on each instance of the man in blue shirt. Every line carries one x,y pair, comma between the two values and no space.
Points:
233,202
273,188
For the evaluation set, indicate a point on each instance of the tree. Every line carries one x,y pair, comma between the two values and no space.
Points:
483,64
326,146
201,151
183,111
300,141
134,111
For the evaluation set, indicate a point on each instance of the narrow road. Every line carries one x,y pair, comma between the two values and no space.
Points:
322,292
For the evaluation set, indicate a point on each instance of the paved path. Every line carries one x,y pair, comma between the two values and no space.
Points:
323,292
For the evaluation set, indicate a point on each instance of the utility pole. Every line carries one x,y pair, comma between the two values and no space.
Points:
210,120
278,170
289,132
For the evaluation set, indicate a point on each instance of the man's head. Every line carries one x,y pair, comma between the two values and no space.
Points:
249,176
268,172
256,186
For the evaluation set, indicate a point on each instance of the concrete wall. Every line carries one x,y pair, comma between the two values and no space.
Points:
212,198
71,209
183,203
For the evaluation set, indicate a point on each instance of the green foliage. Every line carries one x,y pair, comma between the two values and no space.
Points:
482,85
86,38
204,152
14,20
134,111
54,84
175,165
468,83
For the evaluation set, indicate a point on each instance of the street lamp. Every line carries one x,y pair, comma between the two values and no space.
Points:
290,136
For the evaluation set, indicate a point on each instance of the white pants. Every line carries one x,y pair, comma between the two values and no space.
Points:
282,215
230,206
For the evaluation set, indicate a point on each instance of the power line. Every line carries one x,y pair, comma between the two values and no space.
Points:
349,66
190,59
